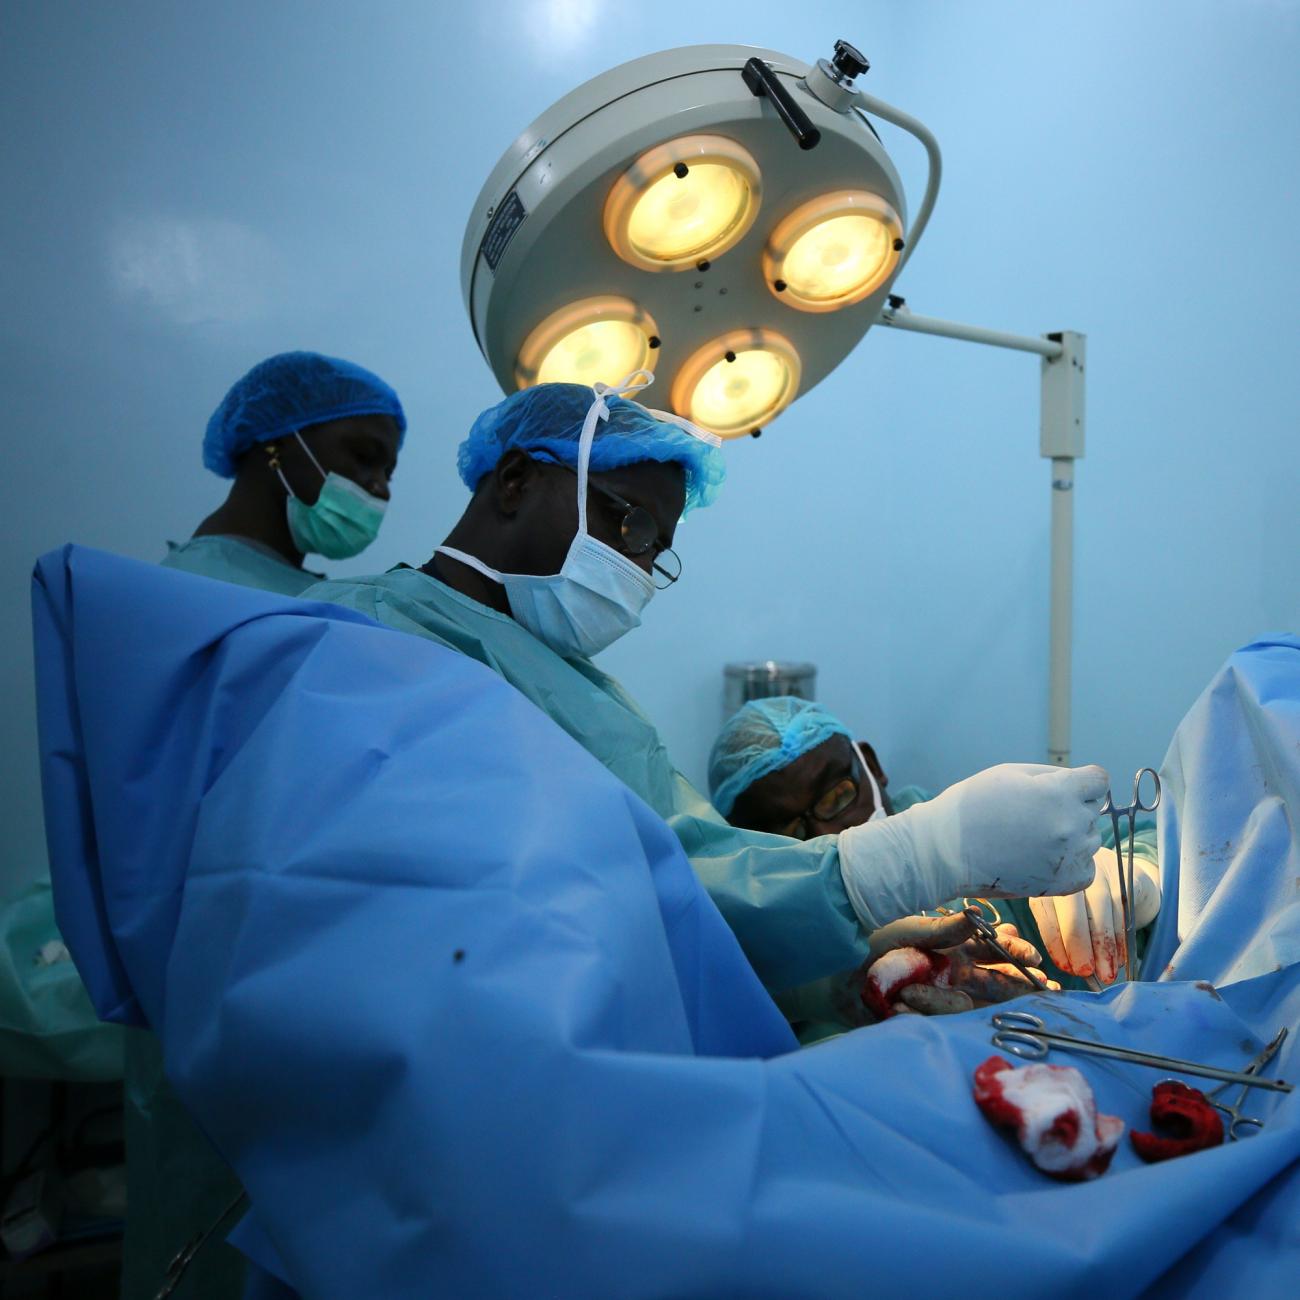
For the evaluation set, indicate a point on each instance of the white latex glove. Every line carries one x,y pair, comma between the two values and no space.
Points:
1012,831
1084,932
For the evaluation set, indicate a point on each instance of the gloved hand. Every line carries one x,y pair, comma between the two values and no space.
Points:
976,976
1012,831
1084,932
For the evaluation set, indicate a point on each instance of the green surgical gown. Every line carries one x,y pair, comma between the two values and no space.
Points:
48,1027
238,560
783,899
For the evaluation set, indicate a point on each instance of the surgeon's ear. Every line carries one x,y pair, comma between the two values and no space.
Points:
515,473
869,755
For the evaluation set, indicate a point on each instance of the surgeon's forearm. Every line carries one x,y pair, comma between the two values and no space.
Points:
783,899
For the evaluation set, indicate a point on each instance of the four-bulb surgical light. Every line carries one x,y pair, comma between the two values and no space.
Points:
723,217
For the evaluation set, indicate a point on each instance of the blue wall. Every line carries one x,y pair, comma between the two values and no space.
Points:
190,188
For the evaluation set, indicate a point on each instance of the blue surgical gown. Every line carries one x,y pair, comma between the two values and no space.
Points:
177,1185
784,899
452,1002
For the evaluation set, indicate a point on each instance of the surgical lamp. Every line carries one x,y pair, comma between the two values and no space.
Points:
728,218
723,216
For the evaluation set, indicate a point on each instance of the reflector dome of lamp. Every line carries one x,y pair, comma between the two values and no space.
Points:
725,217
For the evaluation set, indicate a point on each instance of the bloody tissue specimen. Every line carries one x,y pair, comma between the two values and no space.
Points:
893,971
1184,1120
1052,1113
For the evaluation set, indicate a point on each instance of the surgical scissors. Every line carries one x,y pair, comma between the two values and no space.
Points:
1236,1119
1028,1037
1126,872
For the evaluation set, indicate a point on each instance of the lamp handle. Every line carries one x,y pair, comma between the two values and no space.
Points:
761,81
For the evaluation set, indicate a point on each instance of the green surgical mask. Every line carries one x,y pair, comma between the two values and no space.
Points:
344,520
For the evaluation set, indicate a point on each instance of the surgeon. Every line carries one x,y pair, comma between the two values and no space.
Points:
788,766
569,532
310,443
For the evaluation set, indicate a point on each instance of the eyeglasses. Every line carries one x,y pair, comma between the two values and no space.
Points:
639,533
839,798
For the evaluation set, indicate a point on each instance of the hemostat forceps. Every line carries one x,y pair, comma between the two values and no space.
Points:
1028,1037
1237,1122
1126,869
989,937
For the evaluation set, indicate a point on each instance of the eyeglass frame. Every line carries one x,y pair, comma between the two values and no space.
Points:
857,777
623,504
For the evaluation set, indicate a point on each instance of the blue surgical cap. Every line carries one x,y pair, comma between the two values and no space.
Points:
762,737
546,422
288,392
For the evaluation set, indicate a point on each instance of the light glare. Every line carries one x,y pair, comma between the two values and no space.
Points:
688,216
605,351
836,258
736,397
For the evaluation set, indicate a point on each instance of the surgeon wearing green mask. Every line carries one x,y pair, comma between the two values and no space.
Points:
311,443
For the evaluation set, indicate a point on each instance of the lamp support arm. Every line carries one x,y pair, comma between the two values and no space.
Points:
888,113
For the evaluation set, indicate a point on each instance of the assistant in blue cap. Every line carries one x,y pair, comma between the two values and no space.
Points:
311,442
762,737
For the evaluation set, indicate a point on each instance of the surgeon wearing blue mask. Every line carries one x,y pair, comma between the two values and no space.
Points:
571,529
311,443
571,556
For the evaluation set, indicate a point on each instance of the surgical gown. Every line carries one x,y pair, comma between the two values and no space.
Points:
451,1000
48,1027
784,899
238,559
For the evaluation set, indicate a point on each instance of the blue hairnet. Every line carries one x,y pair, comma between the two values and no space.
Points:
291,391
546,421
765,736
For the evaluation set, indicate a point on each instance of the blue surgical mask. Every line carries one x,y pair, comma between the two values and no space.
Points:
343,520
598,594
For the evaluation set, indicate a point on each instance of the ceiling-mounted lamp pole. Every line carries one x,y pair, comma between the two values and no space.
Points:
1061,441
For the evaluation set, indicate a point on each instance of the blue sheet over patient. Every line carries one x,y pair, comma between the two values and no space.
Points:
449,998
1230,824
